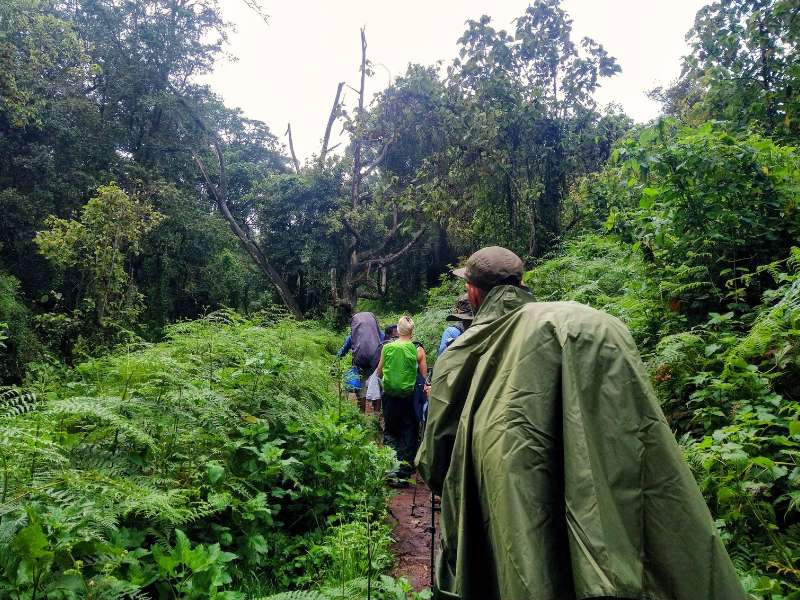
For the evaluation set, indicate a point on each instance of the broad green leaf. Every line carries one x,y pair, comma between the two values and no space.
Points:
215,472
32,543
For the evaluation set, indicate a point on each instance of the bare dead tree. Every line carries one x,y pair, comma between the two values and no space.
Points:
358,279
365,272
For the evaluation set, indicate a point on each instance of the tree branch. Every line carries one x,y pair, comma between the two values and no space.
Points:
349,226
291,148
387,260
331,119
378,160
256,7
390,235
356,183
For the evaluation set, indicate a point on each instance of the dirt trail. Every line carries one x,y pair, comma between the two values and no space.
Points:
412,546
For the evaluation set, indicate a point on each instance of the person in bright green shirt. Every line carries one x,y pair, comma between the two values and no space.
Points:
398,366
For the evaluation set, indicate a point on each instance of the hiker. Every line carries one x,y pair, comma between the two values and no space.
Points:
558,473
399,364
461,319
364,341
390,334
421,395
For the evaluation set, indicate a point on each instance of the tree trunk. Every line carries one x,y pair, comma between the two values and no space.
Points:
261,261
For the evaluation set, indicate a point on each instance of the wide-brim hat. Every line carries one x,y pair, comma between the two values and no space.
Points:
462,312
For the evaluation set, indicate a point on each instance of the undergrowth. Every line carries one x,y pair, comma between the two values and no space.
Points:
216,464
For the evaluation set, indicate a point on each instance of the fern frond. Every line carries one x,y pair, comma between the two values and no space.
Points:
103,409
14,402
307,595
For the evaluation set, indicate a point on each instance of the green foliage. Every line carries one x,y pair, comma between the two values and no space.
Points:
521,127
18,344
709,210
383,588
190,468
608,276
197,572
742,68
96,251
34,44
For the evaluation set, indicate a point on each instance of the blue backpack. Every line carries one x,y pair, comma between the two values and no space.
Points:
352,380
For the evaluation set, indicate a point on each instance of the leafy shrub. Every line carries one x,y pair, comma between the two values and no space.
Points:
608,276
708,209
18,344
213,462
93,254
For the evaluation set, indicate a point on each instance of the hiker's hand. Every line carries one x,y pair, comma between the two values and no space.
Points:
427,389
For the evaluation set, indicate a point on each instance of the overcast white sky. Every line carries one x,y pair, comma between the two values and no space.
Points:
287,70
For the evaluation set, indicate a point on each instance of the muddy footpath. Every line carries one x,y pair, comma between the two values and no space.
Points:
411,515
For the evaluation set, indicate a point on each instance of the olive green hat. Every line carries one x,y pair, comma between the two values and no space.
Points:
492,266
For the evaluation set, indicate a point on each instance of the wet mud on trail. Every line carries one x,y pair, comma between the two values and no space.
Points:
411,516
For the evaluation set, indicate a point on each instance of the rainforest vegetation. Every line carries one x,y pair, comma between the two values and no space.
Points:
174,283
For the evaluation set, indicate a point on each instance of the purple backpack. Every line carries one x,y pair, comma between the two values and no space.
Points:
366,340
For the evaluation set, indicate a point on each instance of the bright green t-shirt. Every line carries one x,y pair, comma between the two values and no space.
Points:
399,367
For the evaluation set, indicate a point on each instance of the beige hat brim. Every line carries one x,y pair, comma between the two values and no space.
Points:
462,272
459,317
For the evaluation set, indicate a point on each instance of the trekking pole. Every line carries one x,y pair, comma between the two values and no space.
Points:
433,537
420,433
339,380
414,497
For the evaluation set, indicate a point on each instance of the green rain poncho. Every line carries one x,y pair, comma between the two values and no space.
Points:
560,478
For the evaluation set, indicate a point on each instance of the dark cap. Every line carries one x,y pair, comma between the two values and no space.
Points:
462,312
492,266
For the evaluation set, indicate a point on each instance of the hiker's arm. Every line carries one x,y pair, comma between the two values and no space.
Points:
448,336
346,347
422,362
379,370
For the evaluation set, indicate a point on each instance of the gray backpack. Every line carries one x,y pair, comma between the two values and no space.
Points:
366,340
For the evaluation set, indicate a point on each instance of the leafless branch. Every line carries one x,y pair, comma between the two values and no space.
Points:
349,226
388,238
378,160
387,260
356,183
256,7
331,119
291,148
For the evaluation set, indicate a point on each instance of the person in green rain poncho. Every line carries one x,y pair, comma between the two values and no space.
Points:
559,476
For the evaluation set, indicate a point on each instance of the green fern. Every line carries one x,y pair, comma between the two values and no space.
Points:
15,402
307,595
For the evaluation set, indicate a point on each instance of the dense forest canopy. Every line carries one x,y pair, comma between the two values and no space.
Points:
106,93
133,200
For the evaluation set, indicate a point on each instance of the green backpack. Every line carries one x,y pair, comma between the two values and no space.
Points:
399,367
